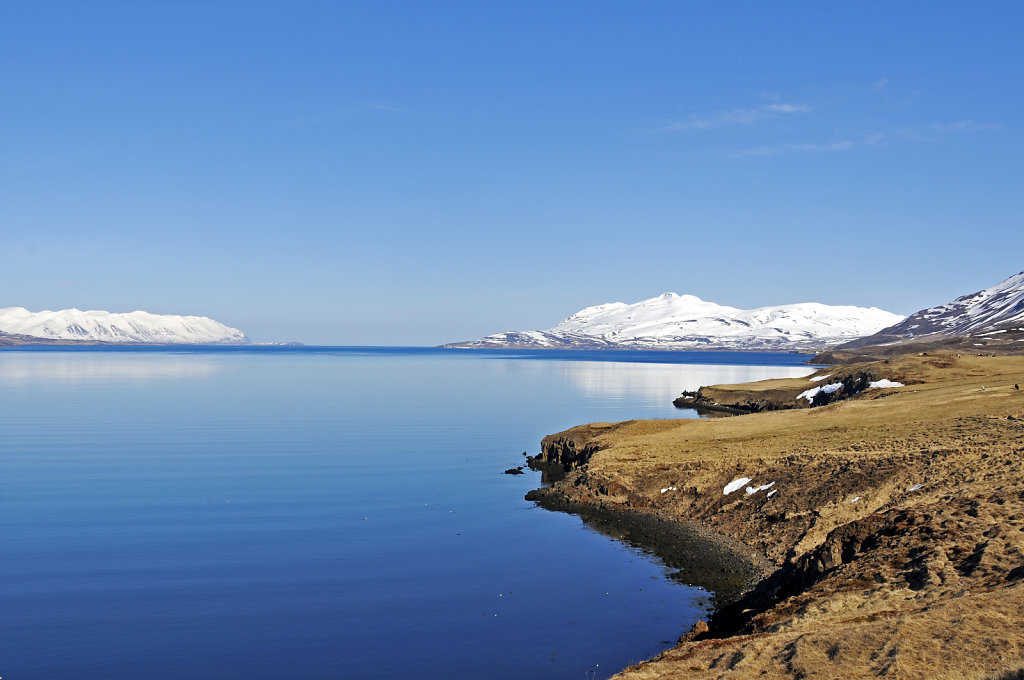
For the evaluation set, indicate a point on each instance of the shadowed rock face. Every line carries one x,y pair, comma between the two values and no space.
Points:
567,452
17,339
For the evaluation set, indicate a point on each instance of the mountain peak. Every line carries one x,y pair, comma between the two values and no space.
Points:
136,327
673,321
994,308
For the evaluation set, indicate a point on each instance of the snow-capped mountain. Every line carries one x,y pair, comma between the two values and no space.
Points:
672,321
998,308
130,328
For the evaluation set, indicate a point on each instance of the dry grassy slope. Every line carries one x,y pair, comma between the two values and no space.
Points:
910,584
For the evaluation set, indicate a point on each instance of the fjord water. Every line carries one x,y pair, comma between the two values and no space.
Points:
322,513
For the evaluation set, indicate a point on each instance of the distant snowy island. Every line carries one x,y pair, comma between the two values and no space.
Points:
671,321
77,326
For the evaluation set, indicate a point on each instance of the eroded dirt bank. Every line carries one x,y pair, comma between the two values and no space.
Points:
893,526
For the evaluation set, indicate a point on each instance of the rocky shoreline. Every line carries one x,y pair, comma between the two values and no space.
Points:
867,537
697,556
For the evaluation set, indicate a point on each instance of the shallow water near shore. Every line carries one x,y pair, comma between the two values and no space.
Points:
322,513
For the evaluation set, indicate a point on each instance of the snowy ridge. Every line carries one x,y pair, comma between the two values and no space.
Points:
672,321
988,310
130,328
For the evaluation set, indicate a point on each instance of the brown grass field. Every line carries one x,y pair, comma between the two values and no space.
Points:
896,530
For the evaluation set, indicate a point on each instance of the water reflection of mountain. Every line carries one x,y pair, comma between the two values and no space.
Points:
80,369
663,382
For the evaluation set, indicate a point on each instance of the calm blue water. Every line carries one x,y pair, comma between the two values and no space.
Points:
321,513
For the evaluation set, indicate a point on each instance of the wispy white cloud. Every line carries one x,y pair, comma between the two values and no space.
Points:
721,119
777,149
965,126
747,116
926,133
907,134
222,10
929,133
353,109
378,106
786,108
839,123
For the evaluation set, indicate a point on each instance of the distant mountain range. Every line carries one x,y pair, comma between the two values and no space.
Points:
993,317
672,321
20,326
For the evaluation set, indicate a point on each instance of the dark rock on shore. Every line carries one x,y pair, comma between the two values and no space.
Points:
699,555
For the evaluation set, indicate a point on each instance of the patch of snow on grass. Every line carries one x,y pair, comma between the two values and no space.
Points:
915,487
811,393
885,382
751,490
668,488
735,485
821,377
855,499
808,394
772,492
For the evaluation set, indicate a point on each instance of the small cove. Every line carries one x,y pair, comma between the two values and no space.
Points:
219,513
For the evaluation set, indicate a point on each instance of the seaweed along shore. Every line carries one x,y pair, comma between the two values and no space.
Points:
865,535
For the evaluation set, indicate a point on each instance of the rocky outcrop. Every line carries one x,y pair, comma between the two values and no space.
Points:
852,381
566,452
705,402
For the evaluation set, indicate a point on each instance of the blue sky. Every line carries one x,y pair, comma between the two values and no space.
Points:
415,173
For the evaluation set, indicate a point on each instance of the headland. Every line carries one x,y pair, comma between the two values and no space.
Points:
879,535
